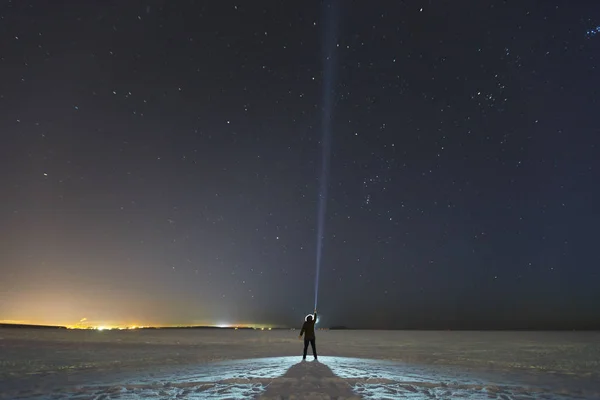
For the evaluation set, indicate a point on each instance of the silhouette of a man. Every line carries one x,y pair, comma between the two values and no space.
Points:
308,329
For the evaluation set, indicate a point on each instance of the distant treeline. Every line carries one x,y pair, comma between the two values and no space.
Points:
582,327
244,328
23,326
474,328
199,327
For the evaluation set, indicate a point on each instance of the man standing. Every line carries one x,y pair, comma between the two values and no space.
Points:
308,329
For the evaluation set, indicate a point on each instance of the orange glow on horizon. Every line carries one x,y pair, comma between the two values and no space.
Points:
85,324
77,308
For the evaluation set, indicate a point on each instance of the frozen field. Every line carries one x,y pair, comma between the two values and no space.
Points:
229,364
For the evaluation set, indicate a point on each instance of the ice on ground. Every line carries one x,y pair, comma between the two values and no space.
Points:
265,364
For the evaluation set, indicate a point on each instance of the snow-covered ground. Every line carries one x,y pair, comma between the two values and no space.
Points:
229,364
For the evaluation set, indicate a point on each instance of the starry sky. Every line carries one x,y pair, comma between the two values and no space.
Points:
160,162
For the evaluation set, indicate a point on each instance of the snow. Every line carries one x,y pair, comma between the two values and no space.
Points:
244,364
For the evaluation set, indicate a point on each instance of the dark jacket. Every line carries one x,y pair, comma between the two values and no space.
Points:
308,328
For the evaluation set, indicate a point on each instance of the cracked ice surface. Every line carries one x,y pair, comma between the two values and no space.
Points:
246,365
248,379
379,379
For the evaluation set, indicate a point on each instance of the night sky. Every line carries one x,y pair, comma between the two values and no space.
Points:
160,162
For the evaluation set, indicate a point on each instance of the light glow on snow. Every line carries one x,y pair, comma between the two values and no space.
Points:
154,364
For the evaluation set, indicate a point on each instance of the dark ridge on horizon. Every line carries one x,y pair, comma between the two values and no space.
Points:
486,327
473,328
441,329
583,329
27,326
199,327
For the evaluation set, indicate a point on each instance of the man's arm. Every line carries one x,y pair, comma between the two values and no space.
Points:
315,317
303,328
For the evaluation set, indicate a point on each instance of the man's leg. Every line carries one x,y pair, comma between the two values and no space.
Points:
314,347
305,348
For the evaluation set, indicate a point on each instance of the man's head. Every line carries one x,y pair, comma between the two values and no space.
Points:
309,318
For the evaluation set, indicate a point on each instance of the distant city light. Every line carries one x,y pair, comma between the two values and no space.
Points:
83,325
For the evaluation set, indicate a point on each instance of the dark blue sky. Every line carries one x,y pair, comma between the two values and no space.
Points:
160,163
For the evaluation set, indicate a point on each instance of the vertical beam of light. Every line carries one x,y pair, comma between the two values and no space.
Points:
329,46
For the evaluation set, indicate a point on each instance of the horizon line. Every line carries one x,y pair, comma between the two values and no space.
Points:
268,328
